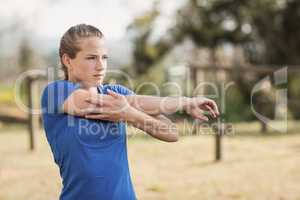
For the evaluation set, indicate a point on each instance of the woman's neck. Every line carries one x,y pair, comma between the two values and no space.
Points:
86,85
91,88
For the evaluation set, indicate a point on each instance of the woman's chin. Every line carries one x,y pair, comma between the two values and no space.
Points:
99,82
93,83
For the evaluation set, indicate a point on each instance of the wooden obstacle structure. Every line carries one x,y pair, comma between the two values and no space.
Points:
263,70
33,119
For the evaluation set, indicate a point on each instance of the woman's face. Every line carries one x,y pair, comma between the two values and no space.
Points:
89,65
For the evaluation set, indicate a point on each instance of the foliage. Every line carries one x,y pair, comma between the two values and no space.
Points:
267,31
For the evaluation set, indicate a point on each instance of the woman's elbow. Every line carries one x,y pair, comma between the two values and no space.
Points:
173,133
171,136
174,138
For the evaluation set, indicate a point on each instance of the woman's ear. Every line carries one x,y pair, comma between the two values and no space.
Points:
66,60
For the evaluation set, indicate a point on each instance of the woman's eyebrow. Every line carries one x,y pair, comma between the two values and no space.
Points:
92,55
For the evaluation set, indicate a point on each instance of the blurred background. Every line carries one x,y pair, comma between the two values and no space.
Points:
243,54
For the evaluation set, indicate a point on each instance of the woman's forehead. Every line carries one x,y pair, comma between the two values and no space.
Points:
92,45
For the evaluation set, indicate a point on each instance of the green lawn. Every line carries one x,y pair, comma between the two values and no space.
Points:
257,167
7,94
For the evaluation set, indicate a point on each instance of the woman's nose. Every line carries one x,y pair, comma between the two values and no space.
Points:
100,65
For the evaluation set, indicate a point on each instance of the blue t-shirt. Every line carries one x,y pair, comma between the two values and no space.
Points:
91,154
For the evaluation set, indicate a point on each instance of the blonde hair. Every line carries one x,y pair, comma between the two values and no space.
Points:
69,43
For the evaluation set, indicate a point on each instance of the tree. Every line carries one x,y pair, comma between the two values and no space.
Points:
267,31
26,55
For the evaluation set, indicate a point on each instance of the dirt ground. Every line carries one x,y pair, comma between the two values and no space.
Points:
253,167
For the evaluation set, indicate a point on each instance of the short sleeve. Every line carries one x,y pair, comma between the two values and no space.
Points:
120,89
124,90
55,94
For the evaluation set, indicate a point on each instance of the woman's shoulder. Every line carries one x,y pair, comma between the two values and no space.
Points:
60,82
59,89
60,85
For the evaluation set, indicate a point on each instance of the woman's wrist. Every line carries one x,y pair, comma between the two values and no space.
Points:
136,117
186,101
130,115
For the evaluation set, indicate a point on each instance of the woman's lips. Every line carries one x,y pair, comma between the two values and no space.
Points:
98,75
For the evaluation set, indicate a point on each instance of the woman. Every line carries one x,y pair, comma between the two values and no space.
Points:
84,120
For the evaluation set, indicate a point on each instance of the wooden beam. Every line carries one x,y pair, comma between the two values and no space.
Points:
13,119
261,69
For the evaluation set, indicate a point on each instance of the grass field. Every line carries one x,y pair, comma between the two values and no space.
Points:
256,167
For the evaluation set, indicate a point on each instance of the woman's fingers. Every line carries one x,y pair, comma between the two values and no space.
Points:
210,106
214,106
198,113
113,94
97,116
91,110
101,100
105,117
211,111
98,110
98,103
202,117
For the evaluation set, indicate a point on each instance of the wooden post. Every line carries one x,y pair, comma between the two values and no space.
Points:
218,146
193,75
263,128
194,72
220,128
30,123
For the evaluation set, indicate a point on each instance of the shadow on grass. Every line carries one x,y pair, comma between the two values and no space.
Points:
13,128
270,133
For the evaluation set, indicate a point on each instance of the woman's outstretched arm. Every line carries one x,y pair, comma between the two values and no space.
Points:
153,105
82,102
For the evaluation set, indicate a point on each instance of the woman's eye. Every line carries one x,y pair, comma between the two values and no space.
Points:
105,57
91,58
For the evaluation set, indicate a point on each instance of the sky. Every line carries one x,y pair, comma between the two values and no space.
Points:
51,18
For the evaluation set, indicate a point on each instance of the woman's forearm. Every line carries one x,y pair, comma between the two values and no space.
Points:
158,127
154,105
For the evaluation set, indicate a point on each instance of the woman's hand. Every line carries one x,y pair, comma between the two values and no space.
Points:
196,107
111,108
